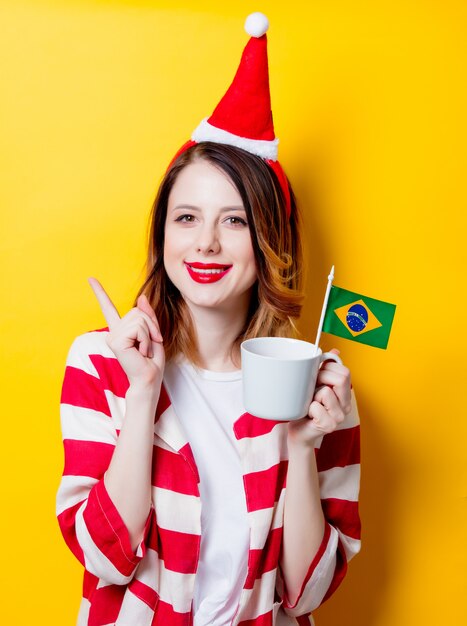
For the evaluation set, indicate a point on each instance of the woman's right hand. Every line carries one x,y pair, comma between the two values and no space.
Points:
135,339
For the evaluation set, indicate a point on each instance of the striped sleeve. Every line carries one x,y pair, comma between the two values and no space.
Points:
93,391
338,462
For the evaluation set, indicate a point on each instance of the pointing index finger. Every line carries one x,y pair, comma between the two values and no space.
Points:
107,306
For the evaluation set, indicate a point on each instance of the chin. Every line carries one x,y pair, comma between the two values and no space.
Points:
207,303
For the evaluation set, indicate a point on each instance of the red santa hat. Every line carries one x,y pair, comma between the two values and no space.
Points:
243,117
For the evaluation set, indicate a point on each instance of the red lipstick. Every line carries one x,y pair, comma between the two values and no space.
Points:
206,273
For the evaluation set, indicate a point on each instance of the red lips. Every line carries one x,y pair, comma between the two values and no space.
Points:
206,273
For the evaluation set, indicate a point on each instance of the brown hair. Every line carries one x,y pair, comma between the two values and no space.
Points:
277,297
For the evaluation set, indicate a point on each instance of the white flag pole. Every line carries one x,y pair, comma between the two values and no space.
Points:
323,310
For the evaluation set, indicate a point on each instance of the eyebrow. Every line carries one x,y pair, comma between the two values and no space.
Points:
198,209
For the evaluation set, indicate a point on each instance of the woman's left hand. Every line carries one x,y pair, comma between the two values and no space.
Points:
330,405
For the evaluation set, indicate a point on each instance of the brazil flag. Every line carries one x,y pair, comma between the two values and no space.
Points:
358,318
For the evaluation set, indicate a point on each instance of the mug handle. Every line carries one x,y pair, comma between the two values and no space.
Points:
330,356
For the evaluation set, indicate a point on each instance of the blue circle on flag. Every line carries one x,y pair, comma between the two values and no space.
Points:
357,318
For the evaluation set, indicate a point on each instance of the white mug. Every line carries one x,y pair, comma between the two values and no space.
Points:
279,376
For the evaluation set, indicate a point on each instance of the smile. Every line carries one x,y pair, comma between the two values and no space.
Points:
207,272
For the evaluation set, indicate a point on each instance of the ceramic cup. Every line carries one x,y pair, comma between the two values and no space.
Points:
279,376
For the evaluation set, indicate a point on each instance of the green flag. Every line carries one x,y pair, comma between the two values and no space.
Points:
358,318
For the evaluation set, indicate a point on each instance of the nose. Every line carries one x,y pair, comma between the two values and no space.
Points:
208,239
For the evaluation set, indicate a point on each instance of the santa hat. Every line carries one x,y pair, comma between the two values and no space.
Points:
243,117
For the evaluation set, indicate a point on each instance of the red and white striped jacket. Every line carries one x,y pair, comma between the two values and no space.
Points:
153,586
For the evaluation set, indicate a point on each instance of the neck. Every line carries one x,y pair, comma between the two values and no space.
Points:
216,331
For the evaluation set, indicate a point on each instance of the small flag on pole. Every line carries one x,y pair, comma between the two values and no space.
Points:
358,318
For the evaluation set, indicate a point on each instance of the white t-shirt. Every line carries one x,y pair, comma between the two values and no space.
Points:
207,404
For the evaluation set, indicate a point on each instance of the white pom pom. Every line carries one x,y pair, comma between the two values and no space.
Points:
256,24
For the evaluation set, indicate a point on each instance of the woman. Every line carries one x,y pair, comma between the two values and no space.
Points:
182,507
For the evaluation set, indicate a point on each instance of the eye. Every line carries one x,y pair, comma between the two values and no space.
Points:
187,218
236,221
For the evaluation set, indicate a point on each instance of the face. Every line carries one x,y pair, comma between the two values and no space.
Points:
208,254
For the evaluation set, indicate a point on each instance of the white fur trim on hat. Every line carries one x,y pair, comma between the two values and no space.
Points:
261,147
256,24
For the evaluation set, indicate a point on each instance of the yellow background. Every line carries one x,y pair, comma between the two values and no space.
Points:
369,102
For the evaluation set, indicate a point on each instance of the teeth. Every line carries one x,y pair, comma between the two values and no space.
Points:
209,271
